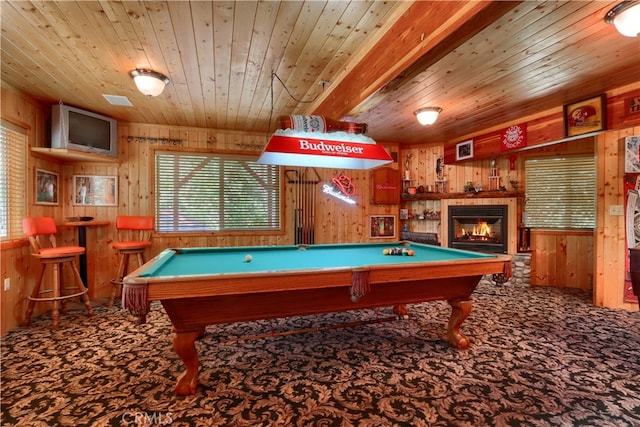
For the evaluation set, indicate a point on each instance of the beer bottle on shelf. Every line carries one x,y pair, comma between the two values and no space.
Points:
321,124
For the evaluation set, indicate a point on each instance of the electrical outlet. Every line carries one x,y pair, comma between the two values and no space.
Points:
7,284
616,210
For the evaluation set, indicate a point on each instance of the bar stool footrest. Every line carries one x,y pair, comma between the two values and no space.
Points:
61,297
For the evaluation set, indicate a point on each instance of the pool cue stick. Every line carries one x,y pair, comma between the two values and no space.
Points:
299,229
309,208
316,329
300,210
303,212
312,212
305,203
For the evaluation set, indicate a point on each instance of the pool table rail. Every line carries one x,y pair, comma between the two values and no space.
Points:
195,286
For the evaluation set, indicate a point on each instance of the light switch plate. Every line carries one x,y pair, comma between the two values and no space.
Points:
616,210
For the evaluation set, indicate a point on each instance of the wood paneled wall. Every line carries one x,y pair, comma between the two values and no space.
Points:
564,259
559,258
548,126
610,238
16,262
422,170
335,222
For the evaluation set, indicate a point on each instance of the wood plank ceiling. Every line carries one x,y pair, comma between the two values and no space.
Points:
485,63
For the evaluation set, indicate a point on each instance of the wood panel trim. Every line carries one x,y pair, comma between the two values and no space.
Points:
12,244
545,130
563,232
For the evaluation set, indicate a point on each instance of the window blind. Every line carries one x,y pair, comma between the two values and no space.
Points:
13,144
213,192
560,192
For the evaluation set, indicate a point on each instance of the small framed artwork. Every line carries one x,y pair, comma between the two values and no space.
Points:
585,116
46,187
464,150
382,226
632,154
92,190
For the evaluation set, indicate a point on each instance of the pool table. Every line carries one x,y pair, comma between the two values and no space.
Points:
202,286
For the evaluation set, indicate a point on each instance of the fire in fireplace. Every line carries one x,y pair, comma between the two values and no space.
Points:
482,232
478,228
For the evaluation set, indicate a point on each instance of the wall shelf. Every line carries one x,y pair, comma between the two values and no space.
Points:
70,155
422,219
465,195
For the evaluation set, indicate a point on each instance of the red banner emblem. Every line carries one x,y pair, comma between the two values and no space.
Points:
513,137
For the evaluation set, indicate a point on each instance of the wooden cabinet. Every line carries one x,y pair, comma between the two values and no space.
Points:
385,186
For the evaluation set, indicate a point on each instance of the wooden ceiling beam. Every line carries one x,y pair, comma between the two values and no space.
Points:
425,33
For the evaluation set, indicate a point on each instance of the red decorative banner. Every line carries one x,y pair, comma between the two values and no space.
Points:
513,137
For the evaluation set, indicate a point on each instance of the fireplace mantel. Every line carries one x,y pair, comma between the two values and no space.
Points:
470,195
512,216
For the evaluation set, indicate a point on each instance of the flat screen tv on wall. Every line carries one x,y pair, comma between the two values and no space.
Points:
76,129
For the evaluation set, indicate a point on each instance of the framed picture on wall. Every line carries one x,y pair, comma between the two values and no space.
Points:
93,190
464,150
382,226
585,116
632,154
46,187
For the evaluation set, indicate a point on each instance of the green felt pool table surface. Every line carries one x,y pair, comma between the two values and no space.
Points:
212,261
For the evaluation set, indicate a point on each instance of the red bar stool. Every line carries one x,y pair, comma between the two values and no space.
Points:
134,234
42,236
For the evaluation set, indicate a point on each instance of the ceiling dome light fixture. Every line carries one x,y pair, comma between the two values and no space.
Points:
150,83
626,18
427,115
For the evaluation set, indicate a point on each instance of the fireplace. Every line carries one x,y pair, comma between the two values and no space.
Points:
480,228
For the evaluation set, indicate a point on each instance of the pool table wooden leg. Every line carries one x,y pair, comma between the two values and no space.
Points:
401,311
459,312
184,344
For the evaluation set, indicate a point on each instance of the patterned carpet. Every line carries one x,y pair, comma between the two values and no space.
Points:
539,357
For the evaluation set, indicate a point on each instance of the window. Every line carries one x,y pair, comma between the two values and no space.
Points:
13,143
561,192
213,192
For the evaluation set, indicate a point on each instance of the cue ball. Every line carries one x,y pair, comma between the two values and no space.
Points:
248,258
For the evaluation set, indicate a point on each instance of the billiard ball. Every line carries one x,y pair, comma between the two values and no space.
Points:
248,258
385,252
410,252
